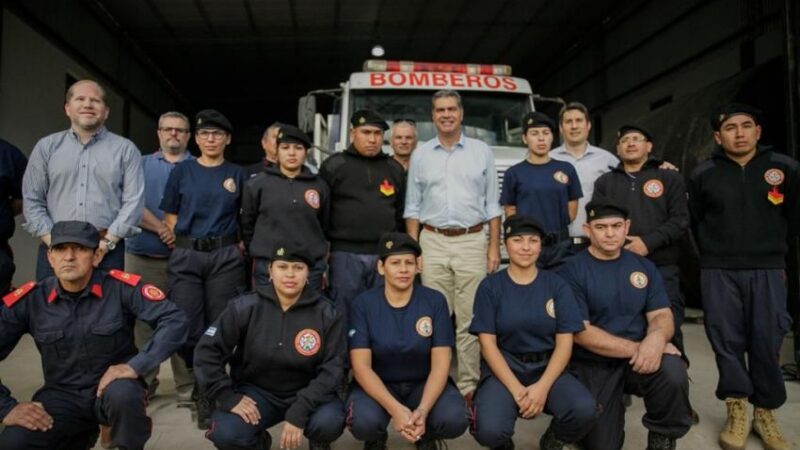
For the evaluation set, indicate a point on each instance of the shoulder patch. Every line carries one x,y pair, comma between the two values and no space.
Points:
16,295
152,293
130,279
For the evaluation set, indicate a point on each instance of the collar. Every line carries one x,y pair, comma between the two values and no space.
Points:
99,134
184,156
590,150
459,144
94,288
651,163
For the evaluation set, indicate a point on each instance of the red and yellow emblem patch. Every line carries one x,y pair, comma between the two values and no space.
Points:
152,293
307,342
653,188
131,279
311,197
774,196
424,326
387,188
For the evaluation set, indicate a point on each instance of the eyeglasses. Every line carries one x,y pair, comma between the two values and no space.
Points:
170,130
205,134
632,139
405,120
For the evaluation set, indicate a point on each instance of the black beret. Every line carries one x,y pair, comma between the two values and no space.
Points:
209,118
293,135
291,254
74,232
625,129
520,224
367,117
395,243
536,119
725,112
600,208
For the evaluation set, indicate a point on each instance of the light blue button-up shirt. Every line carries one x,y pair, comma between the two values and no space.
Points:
594,162
454,188
100,182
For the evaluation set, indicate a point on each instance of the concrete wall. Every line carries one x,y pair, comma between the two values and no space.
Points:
33,80
663,49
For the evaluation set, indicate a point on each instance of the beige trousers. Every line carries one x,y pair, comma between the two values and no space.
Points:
454,266
154,271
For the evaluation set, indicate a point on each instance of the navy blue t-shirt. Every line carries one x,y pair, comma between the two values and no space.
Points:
525,317
542,191
614,295
401,339
206,199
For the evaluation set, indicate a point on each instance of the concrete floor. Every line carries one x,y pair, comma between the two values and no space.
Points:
173,427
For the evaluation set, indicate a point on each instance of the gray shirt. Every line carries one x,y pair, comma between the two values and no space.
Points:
594,162
100,182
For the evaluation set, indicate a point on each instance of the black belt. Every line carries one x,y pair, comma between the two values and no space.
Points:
205,244
533,357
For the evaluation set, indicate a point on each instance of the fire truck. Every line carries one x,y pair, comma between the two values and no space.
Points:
494,103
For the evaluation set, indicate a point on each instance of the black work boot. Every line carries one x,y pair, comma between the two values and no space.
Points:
265,442
380,444
203,412
507,446
549,441
657,441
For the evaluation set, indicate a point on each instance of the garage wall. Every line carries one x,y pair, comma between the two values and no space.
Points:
660,52
34,73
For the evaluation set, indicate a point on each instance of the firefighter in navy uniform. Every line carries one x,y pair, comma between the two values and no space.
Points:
401,339
658,208
286,348
287,205
525,319
201,205
625,346
745,210
82,321
364,182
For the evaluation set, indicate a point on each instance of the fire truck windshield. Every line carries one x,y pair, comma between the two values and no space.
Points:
492,117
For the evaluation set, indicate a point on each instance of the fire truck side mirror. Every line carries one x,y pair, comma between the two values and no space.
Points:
306,110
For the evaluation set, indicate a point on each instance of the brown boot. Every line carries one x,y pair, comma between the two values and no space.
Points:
766,427
737,428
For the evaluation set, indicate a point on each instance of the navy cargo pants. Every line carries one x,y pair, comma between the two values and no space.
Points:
746,320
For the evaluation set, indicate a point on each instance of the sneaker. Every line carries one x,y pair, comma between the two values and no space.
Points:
734,435
549,441
203,413
657,441
766,427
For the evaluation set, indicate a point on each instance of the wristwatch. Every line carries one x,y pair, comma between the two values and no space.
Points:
110,244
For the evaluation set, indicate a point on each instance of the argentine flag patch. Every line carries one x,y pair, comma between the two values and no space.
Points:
211,331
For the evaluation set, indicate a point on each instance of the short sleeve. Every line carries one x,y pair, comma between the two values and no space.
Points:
443,334
358,335
171,199
569,273
568,316
508,195
484,310
574,190
656,292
